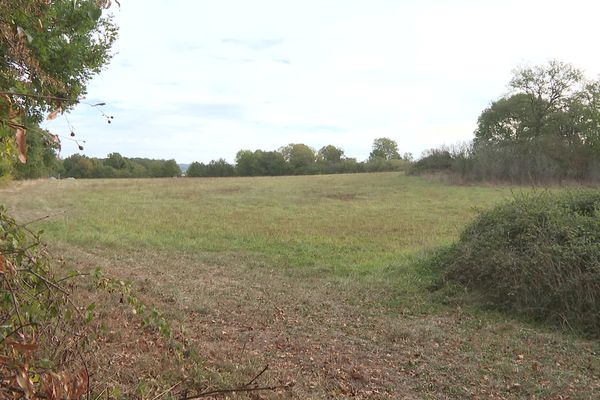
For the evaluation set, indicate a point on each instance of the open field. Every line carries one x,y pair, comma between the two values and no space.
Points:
319,277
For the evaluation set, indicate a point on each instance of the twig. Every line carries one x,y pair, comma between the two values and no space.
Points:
35,96
166,391
240,389
87,372
14,300
257,376
244,388
73,276
101,393
19,390
48,282
14,331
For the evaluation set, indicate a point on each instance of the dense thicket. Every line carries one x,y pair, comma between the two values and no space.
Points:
536,255
547,129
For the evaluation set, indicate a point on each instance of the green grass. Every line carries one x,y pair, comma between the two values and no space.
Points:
341,223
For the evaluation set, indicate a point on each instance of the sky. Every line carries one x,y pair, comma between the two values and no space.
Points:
197,80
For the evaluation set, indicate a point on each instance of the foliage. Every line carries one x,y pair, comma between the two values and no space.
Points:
260,163
384,148
299,156
35,310
196,169
117,166
433,160
546,129
536,255
330,154
48,52
293,159
42,161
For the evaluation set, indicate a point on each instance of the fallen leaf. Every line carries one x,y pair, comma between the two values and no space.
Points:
22,346
25,384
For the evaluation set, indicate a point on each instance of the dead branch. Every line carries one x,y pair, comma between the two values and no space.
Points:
244,388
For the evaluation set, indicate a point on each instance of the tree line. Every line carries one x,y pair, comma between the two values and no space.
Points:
546,129
300,159
293,159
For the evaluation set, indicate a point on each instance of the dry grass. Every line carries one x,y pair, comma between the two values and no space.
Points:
314,276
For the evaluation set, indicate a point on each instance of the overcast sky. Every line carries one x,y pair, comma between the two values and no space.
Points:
196,80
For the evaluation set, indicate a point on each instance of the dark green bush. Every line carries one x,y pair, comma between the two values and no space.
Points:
537,255
434,160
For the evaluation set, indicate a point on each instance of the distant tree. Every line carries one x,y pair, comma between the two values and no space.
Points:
330,154
78,166
41,158
170,168
196,169
115,160
271,163
299,156
246,163
220,167
384,148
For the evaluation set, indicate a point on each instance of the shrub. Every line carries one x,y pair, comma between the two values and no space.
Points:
433,160
537,255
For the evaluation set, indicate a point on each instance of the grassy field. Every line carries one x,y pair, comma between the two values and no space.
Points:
319,277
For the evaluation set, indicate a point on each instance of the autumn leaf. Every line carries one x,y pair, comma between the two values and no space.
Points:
53,114
22,346
21,135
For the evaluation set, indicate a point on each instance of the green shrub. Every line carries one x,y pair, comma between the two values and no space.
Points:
537,255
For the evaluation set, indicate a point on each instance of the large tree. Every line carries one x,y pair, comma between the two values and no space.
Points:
299,156
553,100
330,154
547,125
384,149
49,49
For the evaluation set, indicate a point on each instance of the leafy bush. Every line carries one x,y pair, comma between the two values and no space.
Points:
537,255
42,332
432,161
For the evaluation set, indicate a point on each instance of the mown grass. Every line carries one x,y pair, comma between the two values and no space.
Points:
342,223
373,226
335,264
